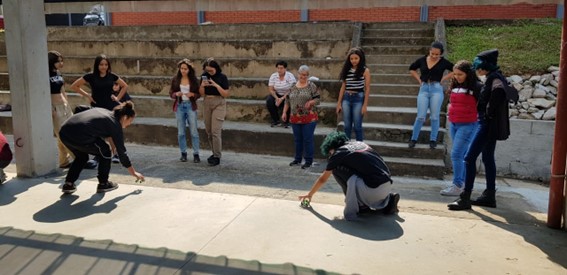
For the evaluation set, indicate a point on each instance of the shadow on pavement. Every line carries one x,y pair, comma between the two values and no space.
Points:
65,210
14,186
27,252
373,227
549,241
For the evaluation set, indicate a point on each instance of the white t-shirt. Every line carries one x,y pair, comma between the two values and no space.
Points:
184,91
281,86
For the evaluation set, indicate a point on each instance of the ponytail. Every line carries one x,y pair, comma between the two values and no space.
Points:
125,109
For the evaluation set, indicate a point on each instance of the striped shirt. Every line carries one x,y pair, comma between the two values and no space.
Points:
281,86
354,83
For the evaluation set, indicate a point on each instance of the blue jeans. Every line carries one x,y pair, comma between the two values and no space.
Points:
461,134
303,136
481,143
430,97
352,107
186,114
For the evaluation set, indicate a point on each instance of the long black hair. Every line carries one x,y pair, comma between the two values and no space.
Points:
359,68
471,82
52,59
211,62
97,61
193,83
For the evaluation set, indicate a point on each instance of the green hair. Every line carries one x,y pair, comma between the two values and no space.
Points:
333,141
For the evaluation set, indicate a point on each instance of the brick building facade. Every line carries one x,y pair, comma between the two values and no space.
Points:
385,14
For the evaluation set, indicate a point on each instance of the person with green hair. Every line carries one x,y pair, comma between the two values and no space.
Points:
361,173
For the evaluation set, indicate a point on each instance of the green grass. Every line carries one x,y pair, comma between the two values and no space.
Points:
525,46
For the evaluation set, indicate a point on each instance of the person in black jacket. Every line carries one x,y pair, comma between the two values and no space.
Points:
494,125
85,133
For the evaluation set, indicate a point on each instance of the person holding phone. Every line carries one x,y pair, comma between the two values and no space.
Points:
214,89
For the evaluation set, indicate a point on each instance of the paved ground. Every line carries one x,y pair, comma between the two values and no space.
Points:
242,217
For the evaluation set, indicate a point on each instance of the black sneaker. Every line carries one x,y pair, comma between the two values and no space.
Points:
214,161
275,124
183,157
69,188
106,187
210,159
286,125
294,163
392,207
411,143
433,144
115,159
306,165
196,158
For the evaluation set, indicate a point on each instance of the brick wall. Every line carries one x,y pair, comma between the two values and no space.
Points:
517,11
153,18
402,14
253,16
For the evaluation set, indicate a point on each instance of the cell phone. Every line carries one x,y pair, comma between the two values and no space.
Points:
204,78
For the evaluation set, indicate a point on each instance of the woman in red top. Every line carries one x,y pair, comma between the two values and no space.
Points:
464,91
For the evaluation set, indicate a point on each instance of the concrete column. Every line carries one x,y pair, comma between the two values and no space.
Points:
26,48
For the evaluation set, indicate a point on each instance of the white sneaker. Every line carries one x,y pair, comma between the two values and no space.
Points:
452,190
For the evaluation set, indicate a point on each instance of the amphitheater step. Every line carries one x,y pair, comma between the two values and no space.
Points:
394,115
392,58
385,100
394,89
232,67
393,41
404,78
396,133
399,32
397,49
399,25
387,68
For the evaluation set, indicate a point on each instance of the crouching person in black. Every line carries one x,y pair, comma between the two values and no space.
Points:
361,173
84,133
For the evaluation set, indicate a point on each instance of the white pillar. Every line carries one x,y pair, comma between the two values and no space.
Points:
26,49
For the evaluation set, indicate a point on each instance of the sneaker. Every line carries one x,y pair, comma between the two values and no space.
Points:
275,124
3,176
286,125
392,206
91,164
306,165
294,163
106,187
411,143
433,144
69,188
214,161
452,190
196,158
115,159
183,157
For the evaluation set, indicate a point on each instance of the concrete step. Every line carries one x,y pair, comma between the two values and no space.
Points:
385,100
249,88
380,68
399,25
394,115
397,133
398,32
255,138
394,89
391,58
394,41
180,48
396,49
403,78
167,66
286,31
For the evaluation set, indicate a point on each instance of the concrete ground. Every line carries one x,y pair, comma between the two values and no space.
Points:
243,217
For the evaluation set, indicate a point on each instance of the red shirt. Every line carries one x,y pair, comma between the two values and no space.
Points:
463,106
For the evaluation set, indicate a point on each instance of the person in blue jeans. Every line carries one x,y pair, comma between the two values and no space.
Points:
494,125
464,92
301,99
185,92
355,89
431,68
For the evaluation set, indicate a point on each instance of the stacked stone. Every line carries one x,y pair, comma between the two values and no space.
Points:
538,94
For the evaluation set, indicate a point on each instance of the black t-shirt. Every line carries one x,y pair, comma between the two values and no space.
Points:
362,160
101,89
433,74
220,79
55,82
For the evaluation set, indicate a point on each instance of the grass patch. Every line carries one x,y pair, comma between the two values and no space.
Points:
525,46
